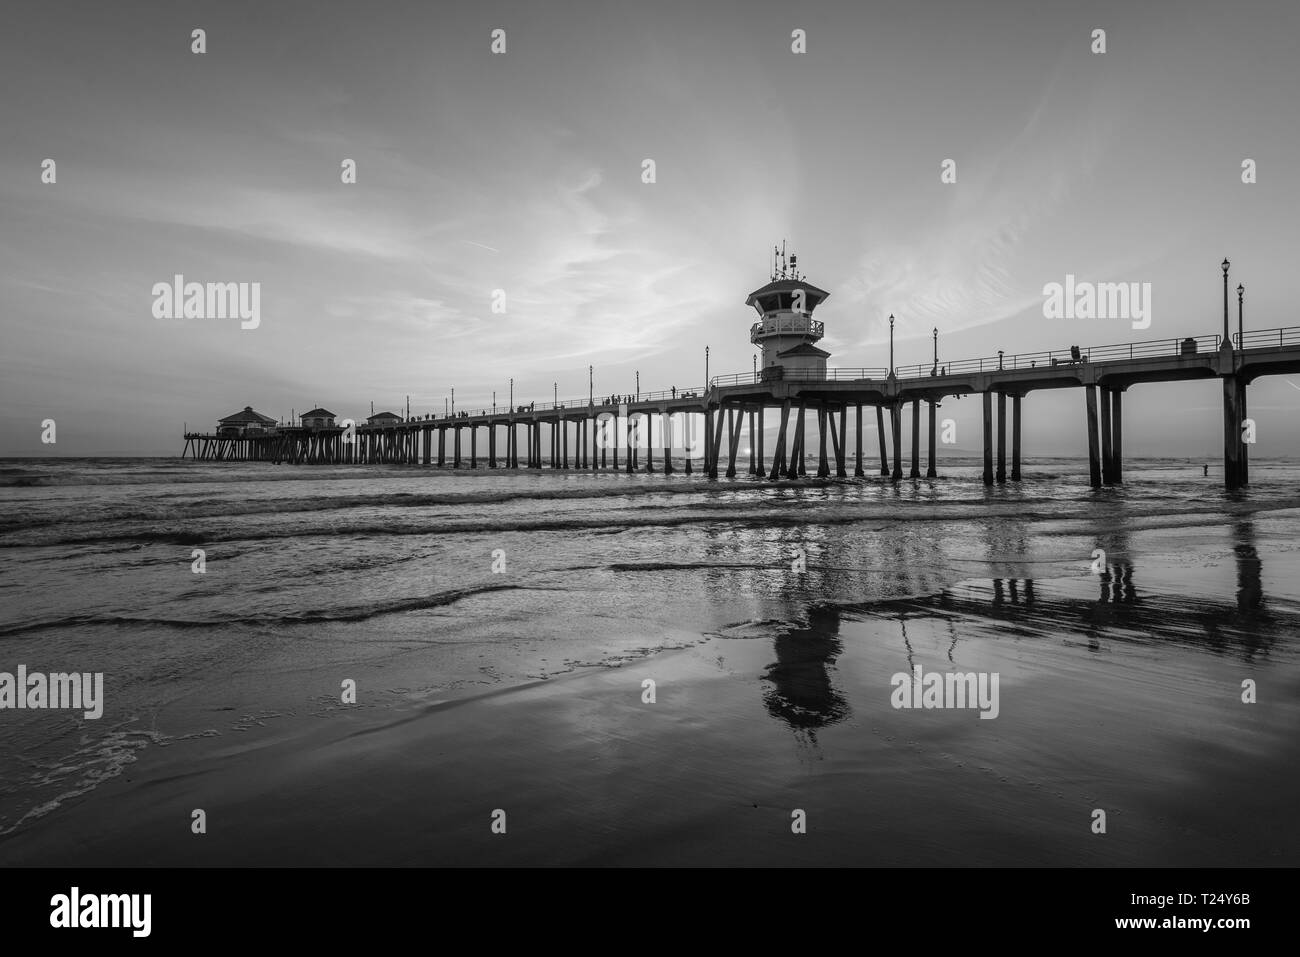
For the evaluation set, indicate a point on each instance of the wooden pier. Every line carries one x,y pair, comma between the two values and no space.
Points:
598,436
795,384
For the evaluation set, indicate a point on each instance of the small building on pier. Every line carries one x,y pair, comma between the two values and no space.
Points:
786,330
245,422
384,418
317,419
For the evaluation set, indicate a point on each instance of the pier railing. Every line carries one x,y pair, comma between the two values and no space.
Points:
576,405
799,375
1264,338
786,326
1188,345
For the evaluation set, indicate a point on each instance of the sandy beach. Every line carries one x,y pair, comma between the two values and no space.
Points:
1119,691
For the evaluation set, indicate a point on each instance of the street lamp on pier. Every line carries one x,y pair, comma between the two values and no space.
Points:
891,343
935,368
1241,295
1226,339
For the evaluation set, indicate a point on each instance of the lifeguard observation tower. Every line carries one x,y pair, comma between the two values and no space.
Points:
786,330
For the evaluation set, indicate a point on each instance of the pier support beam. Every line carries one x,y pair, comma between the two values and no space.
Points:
753,450
688,441
1015,438
1107,457
1231,434
801,466
796,444
709,451
896,426
778,453
857,462
1094,456
668,443
841,449
916,439
823,466
1243,451
719,422
735,442
1002,438
649,442
988,438
762,443
731,442
473,447
442,448
880,434
930,471
1117,437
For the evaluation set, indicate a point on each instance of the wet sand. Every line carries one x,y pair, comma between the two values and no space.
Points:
1113,696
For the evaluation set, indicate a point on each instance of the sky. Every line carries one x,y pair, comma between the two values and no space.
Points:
522,171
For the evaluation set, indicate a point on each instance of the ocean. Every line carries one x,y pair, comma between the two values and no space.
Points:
499,630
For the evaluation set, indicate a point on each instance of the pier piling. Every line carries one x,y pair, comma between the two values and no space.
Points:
929,468
988,438
1094,459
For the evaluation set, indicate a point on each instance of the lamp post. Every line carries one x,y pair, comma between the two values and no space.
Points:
638,385
494,401
706,368
512,395
935,369
591,389
555,393
891,343
999,358
755,366
1225,301
1241,295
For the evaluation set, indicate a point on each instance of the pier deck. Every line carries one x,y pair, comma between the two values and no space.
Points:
587,434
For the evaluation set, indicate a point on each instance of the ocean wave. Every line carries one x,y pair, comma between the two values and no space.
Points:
344,613
739,515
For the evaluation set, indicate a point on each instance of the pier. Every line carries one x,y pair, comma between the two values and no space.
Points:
714,423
